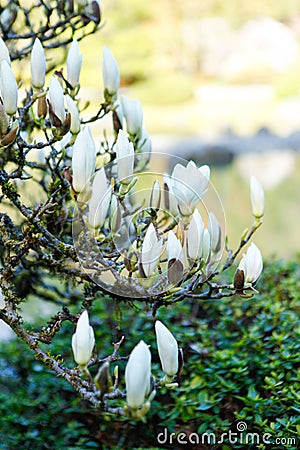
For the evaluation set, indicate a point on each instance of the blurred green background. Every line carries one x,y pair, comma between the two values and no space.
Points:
203,68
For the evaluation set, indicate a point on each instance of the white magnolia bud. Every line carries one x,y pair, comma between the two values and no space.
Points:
151,251
215,233
75,118
251,264
137,375
167,349
110,73
83,162
100,200
133,113
56,97
257,198
189,185
195,236
9,88
154,201
125,158
115,214
4,53
38,65
83,340
74,63
206,245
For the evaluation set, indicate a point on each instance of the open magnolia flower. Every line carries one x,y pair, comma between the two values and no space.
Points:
189,185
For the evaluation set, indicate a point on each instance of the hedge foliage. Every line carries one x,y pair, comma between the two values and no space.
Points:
241,365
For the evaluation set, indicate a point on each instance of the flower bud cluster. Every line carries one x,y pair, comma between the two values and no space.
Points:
166,240
139,382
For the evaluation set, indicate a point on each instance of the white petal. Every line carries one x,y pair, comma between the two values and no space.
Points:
257,197
75,119
83,340
174,248
100,199
125,157
151,251
137,375
83,159
194,237
133,113
38,64
74,63
9,88
4,53
110,72
167,349
56,96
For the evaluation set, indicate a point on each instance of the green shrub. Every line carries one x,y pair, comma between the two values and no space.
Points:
241,361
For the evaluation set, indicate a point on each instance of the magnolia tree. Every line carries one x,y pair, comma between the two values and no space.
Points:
79,207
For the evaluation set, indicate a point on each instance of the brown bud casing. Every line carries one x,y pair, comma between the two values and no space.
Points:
116,122
66,125
166,196
42,107
239,280
175,271
95,11
10,137
56,122
103,379
4,120
68,175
